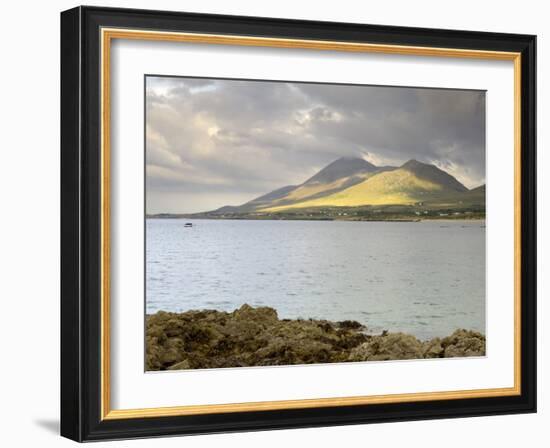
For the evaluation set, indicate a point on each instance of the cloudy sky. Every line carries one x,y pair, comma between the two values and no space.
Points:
211,143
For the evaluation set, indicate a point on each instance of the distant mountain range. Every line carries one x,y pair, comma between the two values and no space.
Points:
350,188
353,182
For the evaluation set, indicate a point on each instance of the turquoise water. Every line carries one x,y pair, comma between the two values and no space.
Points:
424,278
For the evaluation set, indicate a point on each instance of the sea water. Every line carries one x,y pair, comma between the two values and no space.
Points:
425,278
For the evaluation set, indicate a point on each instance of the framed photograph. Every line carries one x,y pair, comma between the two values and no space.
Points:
272,223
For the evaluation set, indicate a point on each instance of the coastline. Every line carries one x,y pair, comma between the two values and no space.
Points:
421,219
247,337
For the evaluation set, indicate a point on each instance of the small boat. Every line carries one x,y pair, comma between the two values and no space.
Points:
188,224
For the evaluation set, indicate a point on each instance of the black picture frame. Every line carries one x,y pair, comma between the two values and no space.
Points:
81,224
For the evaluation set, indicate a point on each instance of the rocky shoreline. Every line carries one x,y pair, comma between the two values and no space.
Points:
257,337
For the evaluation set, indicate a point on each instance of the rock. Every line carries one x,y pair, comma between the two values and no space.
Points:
464,343
251,336
390,346
183,365
433,349
262,314
351,325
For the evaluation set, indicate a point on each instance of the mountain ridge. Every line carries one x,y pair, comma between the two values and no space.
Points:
341,167
337,175
356,182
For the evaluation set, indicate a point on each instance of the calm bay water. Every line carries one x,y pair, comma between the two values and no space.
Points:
423,278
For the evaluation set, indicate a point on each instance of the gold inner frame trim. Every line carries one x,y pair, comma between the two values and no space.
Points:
107,35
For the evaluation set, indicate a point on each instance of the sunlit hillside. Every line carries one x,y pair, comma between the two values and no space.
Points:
353,188
412,183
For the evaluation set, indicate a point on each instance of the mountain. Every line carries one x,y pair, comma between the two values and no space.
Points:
478,190
477,195
336,176
355,182
260,202
344,167
433,174
411,183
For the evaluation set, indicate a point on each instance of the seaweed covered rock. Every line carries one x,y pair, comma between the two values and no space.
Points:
252,336
388,346
246,337
464,343
433,349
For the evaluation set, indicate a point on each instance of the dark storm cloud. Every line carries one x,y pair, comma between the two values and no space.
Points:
233,140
